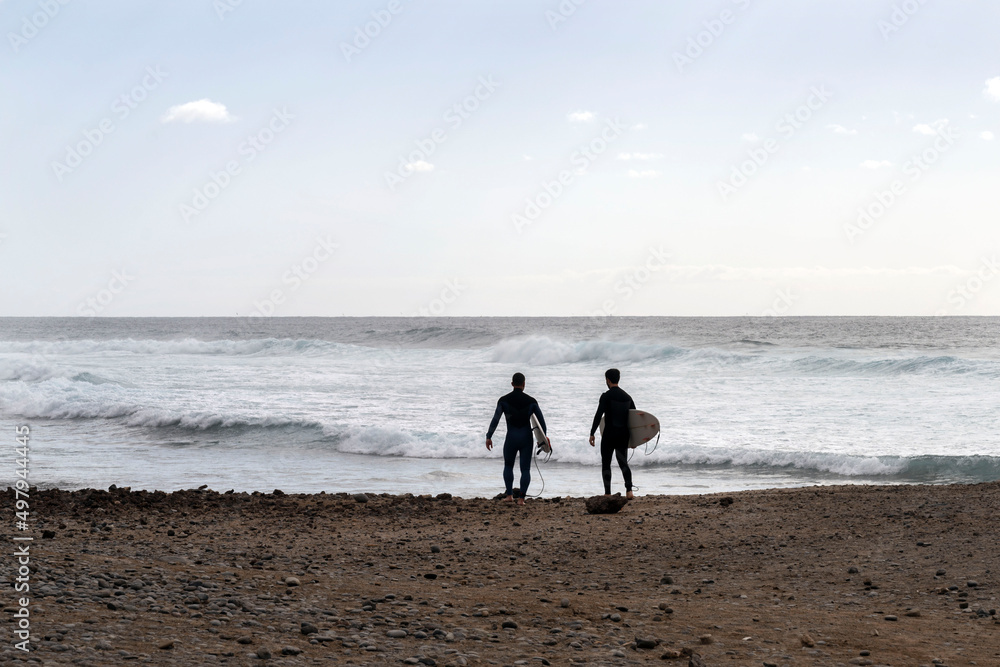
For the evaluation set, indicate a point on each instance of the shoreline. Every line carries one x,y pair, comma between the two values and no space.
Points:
821,575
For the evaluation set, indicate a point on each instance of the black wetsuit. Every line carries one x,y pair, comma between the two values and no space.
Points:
517,407
614,407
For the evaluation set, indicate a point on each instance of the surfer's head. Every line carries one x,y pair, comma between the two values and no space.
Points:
612,375
517,381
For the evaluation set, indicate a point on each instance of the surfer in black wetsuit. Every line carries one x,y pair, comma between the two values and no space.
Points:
517,407
614,406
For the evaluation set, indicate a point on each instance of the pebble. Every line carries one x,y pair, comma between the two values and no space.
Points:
308,628
360,498
396,634
645,643
891,618
292,581
166,646
564,603
509,625
264,653
706,639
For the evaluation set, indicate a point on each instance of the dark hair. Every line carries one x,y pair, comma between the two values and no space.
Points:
517,380
613,375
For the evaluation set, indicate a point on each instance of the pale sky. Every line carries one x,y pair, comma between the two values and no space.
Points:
503,157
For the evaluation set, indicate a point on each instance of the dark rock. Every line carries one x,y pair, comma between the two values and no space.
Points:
244,640
430,575
695,661
509,625
645,643
48,534
435,549
264,653
166,646
666,580
726,502
852,570
289,650
606,504
308,628
443,496
972,584
360,498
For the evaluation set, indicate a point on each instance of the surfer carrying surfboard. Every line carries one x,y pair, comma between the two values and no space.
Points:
614,407
518,408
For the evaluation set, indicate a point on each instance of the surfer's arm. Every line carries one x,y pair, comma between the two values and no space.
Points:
537,411
597,417
496,420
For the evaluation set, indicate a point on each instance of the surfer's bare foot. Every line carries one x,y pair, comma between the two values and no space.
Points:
630,495
508,499
520,501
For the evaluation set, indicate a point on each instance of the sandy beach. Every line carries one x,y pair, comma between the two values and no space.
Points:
848,575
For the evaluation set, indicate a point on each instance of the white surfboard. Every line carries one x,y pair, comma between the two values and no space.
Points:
539,433
642,427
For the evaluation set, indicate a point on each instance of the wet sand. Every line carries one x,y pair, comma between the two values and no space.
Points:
851,575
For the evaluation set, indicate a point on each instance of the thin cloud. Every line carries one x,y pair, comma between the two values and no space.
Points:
932,128
582,117
876,164
992,90
640,126
987,136
199,111
420,165
648,173
840,129
751,137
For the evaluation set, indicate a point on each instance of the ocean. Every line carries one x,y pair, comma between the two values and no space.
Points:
401,405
